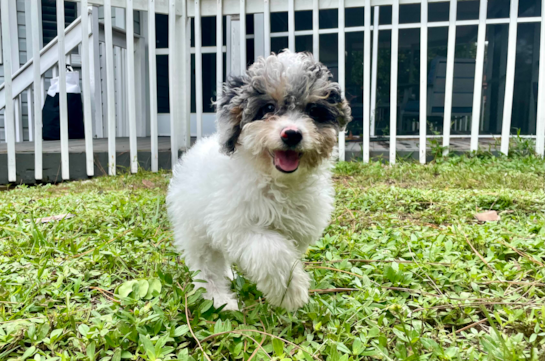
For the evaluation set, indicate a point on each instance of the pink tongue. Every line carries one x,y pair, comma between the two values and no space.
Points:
286,160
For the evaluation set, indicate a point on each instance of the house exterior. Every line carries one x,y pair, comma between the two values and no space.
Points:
476,78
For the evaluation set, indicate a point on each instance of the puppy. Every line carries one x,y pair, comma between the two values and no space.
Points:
259,192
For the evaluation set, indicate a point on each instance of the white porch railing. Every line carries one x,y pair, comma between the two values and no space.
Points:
180,13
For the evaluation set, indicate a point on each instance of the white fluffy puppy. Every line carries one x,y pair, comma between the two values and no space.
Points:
259,191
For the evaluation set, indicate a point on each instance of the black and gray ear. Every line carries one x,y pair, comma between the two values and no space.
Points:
230,109
343,106
346,113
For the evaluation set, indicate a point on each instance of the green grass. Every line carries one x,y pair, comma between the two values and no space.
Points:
107,285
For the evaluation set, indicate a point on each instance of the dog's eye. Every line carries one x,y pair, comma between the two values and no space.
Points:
267,109
318,113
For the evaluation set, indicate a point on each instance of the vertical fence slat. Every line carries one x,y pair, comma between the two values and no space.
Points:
341,46
118,77
315,28
174,82
540,122
30,112
267,26
423,79
198,67
18,120
110,86
86,83
153,86
478,85
451,43
291,25
242,37
374,72
63,102
366,79
187,77
35,29
219,50
393,82
8,110
131,88
30,49
509,78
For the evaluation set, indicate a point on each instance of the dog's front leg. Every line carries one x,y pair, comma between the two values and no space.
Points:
273,263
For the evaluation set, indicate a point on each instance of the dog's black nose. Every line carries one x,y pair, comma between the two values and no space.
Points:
291,137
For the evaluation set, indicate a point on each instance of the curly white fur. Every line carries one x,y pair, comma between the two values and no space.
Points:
238,208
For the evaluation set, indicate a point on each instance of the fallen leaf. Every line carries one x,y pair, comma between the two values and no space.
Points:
489,216
148,184
55,218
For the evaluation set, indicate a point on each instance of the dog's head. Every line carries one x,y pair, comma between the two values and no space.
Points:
285,113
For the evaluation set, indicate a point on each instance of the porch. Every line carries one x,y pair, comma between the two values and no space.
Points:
378,148
148,76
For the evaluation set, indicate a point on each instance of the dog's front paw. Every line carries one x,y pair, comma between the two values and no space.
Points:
230,302
296,295
220,299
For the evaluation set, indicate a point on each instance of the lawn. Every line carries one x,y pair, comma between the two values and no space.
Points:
404,272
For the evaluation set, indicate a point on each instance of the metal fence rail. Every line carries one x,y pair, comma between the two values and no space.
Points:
180,13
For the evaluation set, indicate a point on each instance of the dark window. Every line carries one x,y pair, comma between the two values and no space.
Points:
524,112
279,44
385,15
529,8
498,9
354,17
279,22
382,110
161,31
249,23
329,54
49,18
329,19
495,67
250,52
303,20
467,10
163,104
303,43
464,79
354,80
438,11
208,82
409,13
208,24
408,82
208,30
437,65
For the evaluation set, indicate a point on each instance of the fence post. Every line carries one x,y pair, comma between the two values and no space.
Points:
393,81
479,68
153,85
366,79
423,79
63,102
451,44
509,77
198,67
342,80
8,111
540,126
35,29
85,80
173,81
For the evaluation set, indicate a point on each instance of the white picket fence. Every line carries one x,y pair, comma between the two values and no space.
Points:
180,13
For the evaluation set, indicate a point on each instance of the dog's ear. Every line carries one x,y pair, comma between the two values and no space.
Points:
346,113
230,108
342,105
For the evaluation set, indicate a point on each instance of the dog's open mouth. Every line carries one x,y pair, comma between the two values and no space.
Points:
286,161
